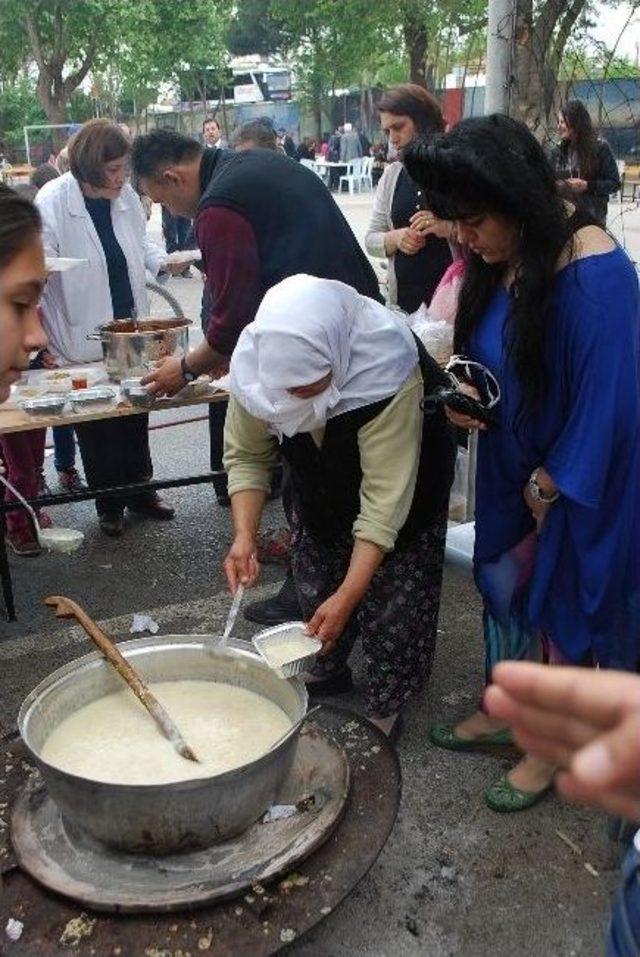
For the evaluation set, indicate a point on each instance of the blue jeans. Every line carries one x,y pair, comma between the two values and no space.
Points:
64,447
176,231
623,937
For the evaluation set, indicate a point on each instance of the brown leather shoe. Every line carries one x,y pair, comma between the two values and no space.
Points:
154,508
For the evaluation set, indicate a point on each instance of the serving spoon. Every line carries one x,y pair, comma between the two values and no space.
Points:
220,641
57,538
66,608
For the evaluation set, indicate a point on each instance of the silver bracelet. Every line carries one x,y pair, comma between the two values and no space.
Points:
536,492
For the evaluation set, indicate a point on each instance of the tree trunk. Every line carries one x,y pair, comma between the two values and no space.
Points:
416,40
223,106
53,101
539,49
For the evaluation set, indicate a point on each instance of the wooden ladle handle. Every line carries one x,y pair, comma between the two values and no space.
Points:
66,608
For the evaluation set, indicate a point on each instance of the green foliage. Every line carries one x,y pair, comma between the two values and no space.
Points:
253,29
19,106
333,44
130,47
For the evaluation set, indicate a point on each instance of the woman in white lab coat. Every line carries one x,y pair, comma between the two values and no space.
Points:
92,213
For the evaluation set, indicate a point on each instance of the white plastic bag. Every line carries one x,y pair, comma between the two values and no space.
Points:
458,497
435,334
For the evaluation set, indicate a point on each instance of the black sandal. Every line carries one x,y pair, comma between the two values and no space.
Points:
339,683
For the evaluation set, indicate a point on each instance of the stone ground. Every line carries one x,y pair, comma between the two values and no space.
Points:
454,878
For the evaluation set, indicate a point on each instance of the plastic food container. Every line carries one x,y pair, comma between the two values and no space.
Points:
272,644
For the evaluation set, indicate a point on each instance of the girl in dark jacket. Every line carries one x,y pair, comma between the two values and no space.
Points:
584,163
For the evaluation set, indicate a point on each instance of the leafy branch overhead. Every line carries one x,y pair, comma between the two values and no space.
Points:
146,42
129,48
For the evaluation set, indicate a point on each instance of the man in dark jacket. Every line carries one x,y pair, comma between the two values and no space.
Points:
287,144
258,219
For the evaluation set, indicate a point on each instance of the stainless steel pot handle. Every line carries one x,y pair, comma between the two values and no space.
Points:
95,336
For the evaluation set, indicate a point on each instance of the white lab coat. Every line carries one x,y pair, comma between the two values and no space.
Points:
76,301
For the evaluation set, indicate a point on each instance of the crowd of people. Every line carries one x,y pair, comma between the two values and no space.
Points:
330,384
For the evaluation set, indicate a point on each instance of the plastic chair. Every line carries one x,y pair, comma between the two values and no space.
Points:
353,176
366,179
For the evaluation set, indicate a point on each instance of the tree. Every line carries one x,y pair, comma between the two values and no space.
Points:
126,46
253,29
180,42
543,32
331,44
425,24
64,39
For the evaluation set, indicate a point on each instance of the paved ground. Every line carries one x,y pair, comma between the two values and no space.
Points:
454,878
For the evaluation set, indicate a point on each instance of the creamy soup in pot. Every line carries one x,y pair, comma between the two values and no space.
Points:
114,739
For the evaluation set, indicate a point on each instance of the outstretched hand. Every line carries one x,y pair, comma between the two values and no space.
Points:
587,722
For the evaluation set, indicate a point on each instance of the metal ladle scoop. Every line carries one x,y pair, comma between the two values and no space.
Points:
57,538
220,641
66,608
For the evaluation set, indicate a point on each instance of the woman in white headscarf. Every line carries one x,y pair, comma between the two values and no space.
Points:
333,381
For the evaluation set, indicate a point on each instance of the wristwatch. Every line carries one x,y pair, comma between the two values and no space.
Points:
536,492
187,374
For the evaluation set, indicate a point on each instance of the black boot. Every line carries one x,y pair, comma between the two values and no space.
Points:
339,683
275,611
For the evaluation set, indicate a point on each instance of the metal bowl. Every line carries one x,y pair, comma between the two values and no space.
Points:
130,347
92,400
293,631
45,405
163,818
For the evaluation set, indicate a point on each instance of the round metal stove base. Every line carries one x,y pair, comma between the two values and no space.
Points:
65,860
260,922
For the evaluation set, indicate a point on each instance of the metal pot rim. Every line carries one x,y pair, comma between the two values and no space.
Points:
111,328
241,648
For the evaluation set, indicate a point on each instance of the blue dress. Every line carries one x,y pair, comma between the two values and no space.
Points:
579,580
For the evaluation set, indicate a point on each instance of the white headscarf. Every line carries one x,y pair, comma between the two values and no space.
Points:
304,329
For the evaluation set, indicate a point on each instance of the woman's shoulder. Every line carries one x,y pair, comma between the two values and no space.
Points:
54,190
586,242
390,175
591,241
598,272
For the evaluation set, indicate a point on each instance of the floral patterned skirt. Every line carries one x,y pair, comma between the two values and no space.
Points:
396,620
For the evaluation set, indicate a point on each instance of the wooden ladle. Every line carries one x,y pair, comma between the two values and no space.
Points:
66,608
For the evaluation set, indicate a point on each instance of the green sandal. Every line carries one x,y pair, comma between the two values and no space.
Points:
444,736
505,797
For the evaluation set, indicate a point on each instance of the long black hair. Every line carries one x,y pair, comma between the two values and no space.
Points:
494,165
584,139
19,224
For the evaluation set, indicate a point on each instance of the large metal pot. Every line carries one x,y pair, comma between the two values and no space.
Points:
129,346
163,818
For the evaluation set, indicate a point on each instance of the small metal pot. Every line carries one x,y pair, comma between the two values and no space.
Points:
130,347
163,818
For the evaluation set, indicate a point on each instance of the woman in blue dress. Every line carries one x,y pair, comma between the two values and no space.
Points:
550,306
